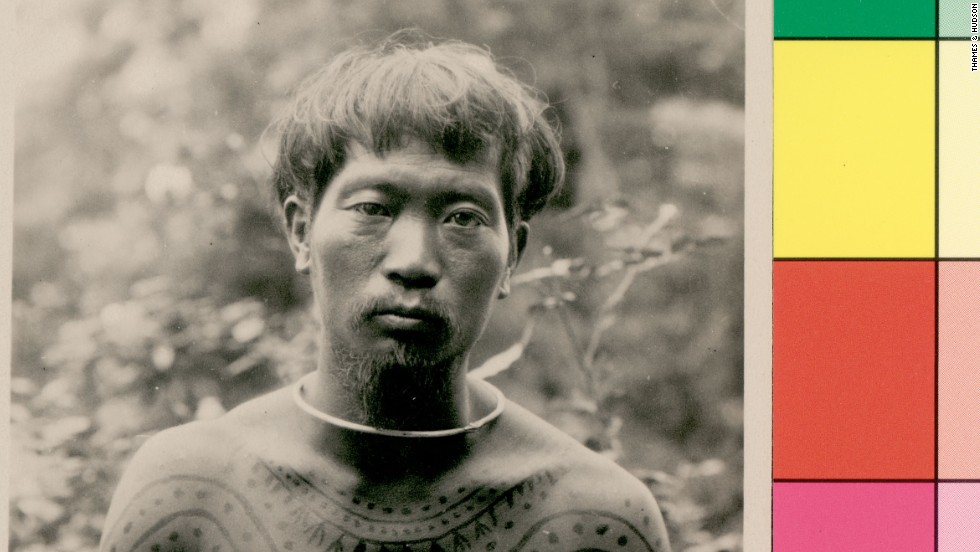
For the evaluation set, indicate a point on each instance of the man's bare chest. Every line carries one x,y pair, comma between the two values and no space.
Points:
461,511
266,504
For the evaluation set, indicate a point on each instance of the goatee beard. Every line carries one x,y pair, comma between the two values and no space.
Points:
395,389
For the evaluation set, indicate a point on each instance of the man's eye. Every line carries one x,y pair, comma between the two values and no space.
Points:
370,209
466,219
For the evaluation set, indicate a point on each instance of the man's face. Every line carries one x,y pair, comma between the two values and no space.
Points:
406,254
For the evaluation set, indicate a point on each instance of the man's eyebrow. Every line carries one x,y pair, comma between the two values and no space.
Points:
478,195
359,183
448,191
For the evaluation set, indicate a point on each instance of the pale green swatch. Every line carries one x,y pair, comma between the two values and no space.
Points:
954,18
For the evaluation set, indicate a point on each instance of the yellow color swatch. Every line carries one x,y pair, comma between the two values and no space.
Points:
959,152
854,141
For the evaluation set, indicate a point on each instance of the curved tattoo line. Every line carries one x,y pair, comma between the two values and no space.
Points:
238,496
501,496
194,512
534,528
344,507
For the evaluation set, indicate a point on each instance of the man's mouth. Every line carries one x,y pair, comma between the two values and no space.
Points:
406,319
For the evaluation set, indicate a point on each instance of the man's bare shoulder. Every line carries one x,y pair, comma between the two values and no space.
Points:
584,499
535,442
207,448
184,487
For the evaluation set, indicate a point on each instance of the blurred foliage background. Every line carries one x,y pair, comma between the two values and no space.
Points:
152,284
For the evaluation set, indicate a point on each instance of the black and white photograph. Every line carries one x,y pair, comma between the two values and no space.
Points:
384,275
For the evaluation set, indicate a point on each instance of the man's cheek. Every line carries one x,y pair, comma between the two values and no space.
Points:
347,261
483,275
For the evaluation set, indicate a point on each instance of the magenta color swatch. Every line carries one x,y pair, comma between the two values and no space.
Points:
856,517
959,517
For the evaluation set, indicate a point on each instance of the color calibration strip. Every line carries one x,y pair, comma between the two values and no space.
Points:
876,276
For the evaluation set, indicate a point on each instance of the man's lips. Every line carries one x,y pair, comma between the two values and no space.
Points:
406,319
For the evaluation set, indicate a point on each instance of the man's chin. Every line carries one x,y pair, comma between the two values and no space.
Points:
397,355
394,377
396,351
410,349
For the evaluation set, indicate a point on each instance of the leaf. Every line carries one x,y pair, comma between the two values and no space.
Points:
64,429
208,408
506,358
559,268
41,508
163,357
248,329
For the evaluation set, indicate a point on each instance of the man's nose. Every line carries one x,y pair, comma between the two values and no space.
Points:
412,259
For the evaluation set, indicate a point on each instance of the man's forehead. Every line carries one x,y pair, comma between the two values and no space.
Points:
410,147
414,168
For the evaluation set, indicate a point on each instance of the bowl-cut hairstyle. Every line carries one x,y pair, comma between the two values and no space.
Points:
448,94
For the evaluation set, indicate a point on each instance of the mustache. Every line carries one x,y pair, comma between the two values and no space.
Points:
425,309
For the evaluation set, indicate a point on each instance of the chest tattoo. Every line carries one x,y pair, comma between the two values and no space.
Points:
456,519
463,518
281,509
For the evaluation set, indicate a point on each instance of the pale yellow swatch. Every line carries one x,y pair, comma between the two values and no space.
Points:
854,149
959,152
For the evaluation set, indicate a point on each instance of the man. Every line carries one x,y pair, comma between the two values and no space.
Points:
407,174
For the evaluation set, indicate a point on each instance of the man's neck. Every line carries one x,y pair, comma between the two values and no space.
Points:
396,397
391,458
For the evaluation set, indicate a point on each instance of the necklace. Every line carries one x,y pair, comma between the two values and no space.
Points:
340,422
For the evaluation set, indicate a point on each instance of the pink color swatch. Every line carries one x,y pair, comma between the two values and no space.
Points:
959,517
857,517
959,370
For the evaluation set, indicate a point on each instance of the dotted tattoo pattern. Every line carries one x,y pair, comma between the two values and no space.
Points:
332,519
587,530
297,512
197,524
466,519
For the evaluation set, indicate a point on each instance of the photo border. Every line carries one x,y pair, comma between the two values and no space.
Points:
757,361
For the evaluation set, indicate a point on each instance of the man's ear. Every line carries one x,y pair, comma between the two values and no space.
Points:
298,222
521,233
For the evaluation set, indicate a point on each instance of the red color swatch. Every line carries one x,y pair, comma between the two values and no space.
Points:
853,369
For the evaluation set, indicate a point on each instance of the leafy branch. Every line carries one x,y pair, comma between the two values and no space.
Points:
650,246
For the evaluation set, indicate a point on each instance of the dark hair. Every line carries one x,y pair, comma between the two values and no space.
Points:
450,95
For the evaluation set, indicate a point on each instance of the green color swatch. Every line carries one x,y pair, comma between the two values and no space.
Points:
955,18
855,18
